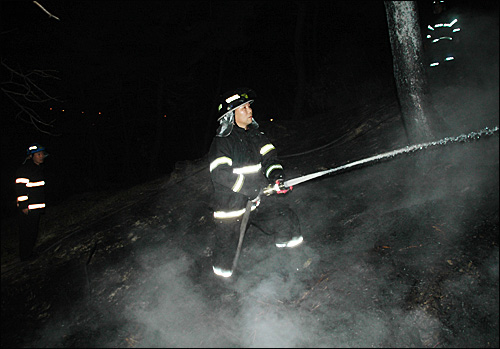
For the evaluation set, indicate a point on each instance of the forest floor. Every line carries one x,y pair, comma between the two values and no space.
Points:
398,253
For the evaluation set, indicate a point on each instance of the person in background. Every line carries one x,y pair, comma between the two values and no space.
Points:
30,184
242,163
443,37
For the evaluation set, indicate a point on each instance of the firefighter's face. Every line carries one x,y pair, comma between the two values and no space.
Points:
243,115
38,157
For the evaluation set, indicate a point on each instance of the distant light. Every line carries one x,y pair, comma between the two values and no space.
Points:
50,108
83,112
271,120
450,58
62,110
165,115
100,113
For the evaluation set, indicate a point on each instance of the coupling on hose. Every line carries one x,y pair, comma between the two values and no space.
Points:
278,187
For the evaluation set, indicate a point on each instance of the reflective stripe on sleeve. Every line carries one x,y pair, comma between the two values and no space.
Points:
266,149
239,183
220,161
22,198
22,180
35,206
272,168
35,184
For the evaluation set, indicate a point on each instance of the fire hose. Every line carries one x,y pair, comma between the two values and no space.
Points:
391,154
273,188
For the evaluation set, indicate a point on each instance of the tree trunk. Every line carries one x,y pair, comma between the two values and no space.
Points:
409,73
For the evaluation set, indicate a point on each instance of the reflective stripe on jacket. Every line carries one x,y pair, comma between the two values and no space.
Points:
240,165
30,186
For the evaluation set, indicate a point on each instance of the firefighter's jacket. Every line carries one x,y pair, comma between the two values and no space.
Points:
241,164
30,186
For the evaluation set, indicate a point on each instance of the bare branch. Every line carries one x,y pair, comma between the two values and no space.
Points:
45,73
22,89
33,92
44,10
33,116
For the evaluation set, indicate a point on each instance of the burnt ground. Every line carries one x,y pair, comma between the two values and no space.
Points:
398,253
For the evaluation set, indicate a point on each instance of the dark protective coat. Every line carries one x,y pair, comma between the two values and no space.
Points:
240,165
30,186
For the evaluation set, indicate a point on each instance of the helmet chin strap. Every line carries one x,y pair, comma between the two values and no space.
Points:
226,125
254,123
227,122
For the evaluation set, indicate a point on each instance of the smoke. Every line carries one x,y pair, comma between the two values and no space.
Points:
379,267
355,305
389,259
170,307
267,321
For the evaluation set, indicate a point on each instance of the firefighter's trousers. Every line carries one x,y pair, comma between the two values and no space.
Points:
272,217
28,233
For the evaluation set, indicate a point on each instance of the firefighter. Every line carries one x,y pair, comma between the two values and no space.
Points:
443,36
30,191
242,162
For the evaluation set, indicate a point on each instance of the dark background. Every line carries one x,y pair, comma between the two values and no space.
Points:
139,80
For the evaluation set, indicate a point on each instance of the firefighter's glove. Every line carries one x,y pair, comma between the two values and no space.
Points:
278,187
256,202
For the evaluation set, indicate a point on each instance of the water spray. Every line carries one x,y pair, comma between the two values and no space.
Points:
391,154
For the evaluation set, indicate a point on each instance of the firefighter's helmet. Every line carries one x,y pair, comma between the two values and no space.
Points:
233,99
35,148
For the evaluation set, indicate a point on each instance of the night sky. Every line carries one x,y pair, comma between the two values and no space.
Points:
138,81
